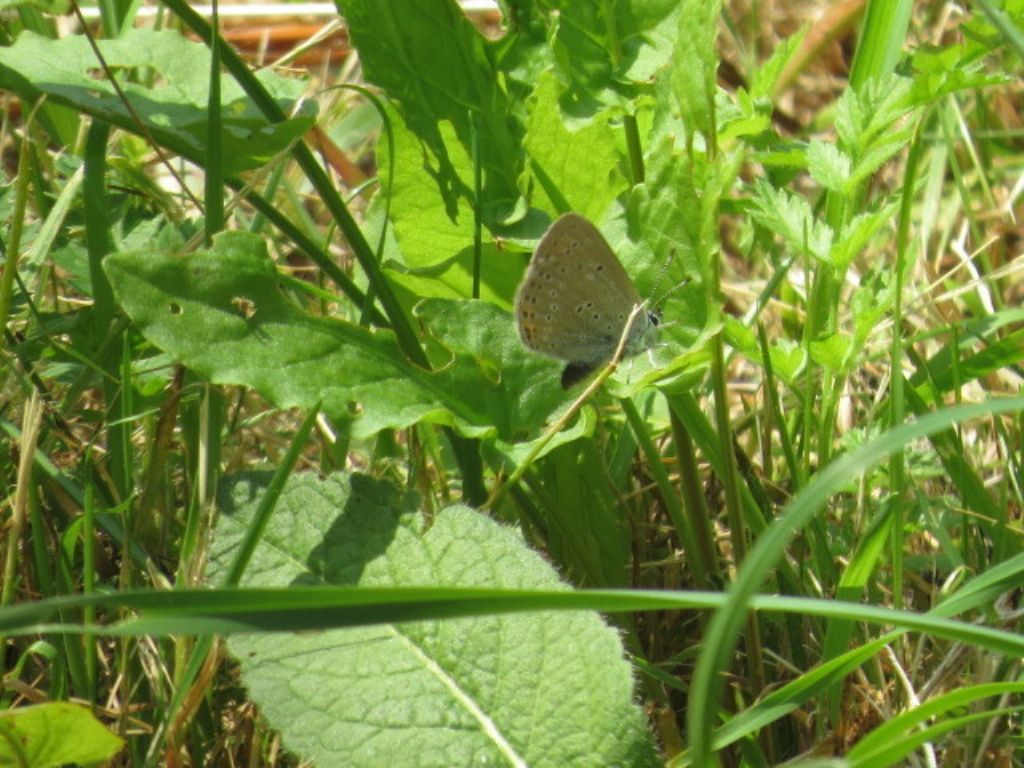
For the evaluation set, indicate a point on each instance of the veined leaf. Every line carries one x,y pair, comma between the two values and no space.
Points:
541,689
221,312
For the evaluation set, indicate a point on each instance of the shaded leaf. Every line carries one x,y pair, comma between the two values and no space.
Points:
434,64
599,51
541,689
526,385
174,110
429,251
582,164
222,313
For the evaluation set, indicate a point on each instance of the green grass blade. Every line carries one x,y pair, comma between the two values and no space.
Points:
726,624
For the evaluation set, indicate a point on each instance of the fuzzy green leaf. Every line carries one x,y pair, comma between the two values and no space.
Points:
828,165
540,689
790,217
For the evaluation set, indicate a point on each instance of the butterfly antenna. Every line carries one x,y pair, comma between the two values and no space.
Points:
661,273
657,302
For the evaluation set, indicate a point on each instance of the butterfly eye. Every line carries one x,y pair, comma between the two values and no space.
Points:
654,317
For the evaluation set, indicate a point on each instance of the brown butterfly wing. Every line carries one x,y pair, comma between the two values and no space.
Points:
576,297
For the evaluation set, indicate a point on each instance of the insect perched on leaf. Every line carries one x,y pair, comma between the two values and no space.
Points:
576,298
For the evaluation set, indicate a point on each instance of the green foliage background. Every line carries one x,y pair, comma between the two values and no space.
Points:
160,344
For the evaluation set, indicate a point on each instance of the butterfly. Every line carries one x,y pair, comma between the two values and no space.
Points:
576,298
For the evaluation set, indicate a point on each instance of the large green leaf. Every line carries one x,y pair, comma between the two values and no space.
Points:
431,61
582,165
430,229
56,733
605,45
542,689
431,252
222,313
173,109
526,383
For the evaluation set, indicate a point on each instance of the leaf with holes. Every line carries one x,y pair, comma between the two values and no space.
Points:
222,313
